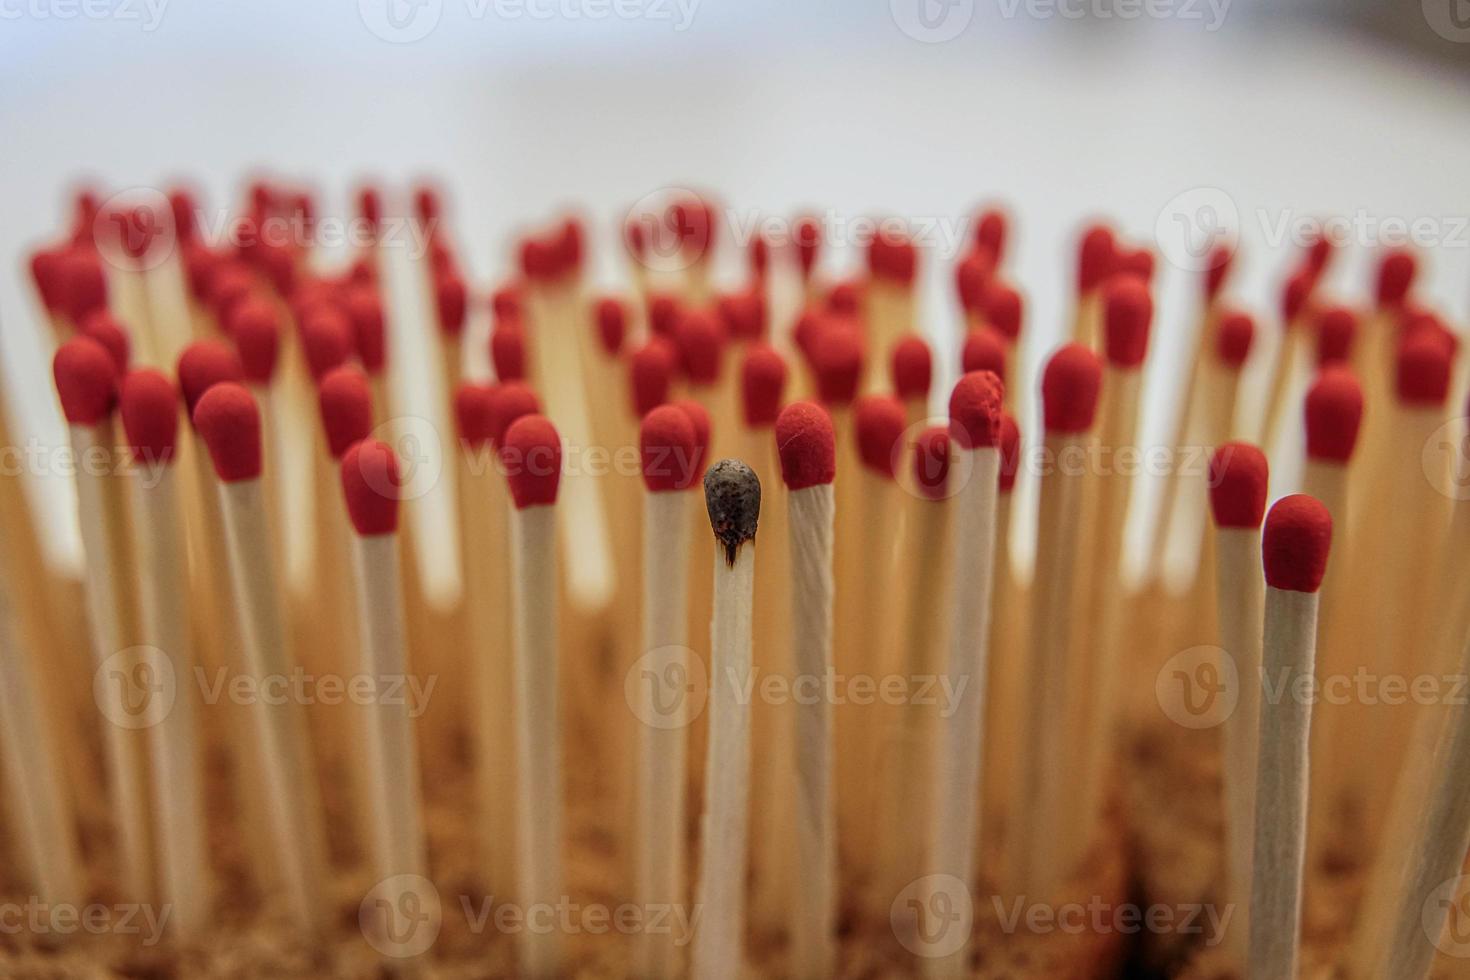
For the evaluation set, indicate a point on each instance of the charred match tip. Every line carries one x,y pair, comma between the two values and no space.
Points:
732,495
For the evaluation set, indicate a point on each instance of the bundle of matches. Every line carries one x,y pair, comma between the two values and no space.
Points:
593,735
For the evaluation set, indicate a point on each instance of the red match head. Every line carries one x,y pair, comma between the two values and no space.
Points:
228,420
669,449
1128,311
326,340
664,312
612,325
149,406
426,204
451,299
474,414
1069,389
1337,330
912,367
1296,295
505,302
1239,479
1004,310
1334,409
1217,270
370,206
531,454
1096,257
1234,336
744,314
104,328
511,400
892,256
846,298
984,351
230,283
277,263
1010,452
808,236
508,352
81,282
975,409
1318,254
931,462
837,360
809,327
760,256
255,326
372,484
364,309
880,421
204,364
1423,370
701,341
46,273
1295,543
703,428
762,385
86,380
651,369
991,233
806,445
972,276
1396,277
346,404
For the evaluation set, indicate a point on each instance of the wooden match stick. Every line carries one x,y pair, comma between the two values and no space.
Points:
1238,485
806,443
1069,392
732,494
911,372
150,414
531,453
667,447
86,381
975,408
371,486
1291,352
1097,253
228,420
1294,547
1004,314
888,302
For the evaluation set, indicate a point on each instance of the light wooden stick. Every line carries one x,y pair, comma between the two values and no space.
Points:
1294,547
732,497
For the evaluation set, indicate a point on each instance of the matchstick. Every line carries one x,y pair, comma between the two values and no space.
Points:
150,415
1097,252
1069,392
1006,687
732,494
911,370
86,382
667,448
1337,336
371,486
1238,485
888,301
1004,314
975,408
806,443
1294,547
228,420
1290,354
531,453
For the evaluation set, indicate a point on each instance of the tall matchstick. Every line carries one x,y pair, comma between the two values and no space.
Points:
150,415
531,453
1097,258
86,381
667,448
1294,547
1238,485
732,494
805,442
975,408
228,420
911,369
372,485
1069,392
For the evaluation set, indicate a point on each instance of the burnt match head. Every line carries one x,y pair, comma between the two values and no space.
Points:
732,495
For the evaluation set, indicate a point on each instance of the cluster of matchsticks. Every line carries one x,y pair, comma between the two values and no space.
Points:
262,533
